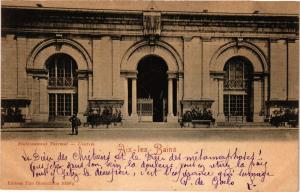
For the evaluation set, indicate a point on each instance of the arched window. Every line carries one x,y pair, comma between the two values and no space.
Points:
62,71
62,85
238,89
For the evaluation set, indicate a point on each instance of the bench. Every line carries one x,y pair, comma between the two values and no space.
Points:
201,122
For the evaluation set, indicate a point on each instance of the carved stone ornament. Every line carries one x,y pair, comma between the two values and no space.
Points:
152,23
58,46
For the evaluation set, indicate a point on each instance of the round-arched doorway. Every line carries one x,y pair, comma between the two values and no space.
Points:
238,89
62,86
152,87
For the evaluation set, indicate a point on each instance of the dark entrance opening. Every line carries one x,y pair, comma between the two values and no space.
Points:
152,82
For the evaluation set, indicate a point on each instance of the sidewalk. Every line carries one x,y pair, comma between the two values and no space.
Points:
112,128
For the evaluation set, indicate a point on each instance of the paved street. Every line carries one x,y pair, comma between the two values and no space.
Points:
157,134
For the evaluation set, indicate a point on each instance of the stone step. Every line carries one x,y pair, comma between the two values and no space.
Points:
126,124
47,125
245,124
150,125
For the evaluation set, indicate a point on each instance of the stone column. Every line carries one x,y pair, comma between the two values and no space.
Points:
170,97
220,116
180,93
257,99
171,75
72,110
125,105
134,98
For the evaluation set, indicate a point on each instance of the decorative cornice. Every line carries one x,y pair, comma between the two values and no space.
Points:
116,22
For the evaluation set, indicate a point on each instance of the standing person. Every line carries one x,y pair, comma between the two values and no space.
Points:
75,123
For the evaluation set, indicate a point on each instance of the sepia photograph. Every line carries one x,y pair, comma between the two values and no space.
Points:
150,95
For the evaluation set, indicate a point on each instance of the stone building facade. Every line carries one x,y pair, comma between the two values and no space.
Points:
59,61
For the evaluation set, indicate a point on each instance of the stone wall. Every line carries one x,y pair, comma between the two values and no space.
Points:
195,48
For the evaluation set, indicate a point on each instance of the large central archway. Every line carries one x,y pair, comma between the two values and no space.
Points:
152,86
171,64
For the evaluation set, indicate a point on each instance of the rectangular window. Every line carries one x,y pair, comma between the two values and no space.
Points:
226,104
235,105
232,105
246,106
61,104
67,104
51,105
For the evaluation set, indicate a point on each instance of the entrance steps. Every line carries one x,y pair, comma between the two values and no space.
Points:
244,124
51,124
126,124
150,125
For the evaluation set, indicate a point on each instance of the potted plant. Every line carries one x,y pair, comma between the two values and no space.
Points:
197,114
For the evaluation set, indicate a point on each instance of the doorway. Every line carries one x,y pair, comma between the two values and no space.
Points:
152,84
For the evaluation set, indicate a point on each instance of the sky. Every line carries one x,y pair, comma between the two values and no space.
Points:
278,7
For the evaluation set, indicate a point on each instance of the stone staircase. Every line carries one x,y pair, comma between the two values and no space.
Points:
245,124
150,125
51,124
142,125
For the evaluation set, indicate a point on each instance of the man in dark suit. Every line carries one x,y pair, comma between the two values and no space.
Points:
75,123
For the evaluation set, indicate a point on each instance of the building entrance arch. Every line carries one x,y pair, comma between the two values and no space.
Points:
240,70
164,58
49,65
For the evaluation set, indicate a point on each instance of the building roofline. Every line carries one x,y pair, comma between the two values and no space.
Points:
120,11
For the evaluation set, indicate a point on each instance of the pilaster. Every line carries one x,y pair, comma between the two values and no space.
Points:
258,99
82,94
